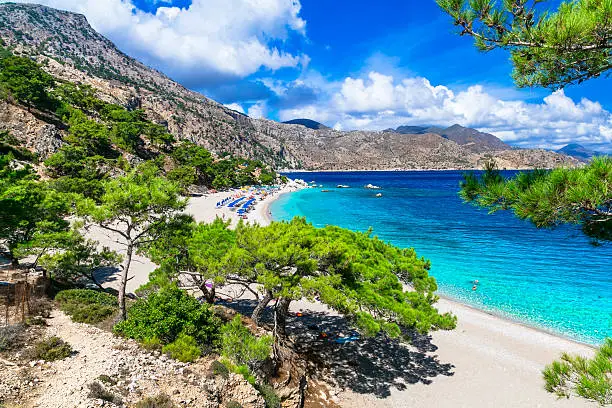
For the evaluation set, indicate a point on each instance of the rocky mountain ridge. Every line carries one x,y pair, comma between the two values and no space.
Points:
70,49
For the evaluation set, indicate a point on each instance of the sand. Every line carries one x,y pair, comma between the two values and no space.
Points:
494,362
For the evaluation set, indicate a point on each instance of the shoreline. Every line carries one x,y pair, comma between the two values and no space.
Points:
516,321
396,170
495,360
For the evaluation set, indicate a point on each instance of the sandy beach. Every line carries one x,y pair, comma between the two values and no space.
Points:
490,361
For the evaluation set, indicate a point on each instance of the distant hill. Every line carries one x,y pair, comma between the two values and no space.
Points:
310,124
579,152
471,139
71,50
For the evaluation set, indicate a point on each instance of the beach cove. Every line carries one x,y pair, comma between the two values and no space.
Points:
486,358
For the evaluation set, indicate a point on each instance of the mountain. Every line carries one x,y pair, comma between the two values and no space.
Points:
470,139
410,130
579,152
69,49
310,124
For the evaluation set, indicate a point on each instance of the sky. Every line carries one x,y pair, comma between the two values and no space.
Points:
349,64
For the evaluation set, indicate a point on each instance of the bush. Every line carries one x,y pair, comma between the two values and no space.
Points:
159,401
51,349
107,379
233,404
11,336
588,378
167,314
97,391
86,305
269,395
152,344
218,368
184,349
240,346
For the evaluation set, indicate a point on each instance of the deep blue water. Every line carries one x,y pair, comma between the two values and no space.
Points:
552,279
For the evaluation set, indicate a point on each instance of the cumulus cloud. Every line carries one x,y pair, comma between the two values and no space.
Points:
258,110
208,39
377,101
235,106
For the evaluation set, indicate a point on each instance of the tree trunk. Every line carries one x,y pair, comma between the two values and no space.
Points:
261,307
280,316
209,294
123,282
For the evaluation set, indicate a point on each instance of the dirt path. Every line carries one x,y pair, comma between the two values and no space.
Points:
135,373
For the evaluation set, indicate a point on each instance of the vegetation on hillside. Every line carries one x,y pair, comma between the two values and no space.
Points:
126,175
548,48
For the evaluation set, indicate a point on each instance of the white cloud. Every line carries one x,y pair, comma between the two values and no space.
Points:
210,37
235,107
258,111
377,101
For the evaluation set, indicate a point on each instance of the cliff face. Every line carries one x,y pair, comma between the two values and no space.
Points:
70,49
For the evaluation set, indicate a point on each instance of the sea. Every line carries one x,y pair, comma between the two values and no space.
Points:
556,280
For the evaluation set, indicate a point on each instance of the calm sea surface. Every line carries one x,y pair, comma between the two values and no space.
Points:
552,279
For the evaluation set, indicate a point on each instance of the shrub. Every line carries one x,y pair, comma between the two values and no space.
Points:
152,344
86,305
218,368
11,336
41,306
97,391
107,379
269,395
184,349
159,401
167,314
588,378
51,349
240,346
233,404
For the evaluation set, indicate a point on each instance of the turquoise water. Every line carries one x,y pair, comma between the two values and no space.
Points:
552,279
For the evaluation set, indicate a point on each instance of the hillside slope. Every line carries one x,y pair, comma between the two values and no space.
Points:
70,49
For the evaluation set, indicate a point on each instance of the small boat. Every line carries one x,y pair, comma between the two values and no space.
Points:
342,186
379,195
325,191
372,187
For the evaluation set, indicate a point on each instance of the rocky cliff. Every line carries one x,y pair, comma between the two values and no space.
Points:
70,49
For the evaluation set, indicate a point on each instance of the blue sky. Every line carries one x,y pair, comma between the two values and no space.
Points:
350,64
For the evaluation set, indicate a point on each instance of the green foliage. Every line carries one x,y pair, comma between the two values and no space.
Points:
581,196
184,348
167,314
107,379
142,202
51,349
548,48
26,81
30,209
10,145
159,401
87,306
269,395
73,259
588,378
353,273
220,369
240,346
